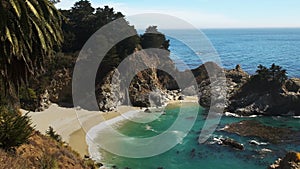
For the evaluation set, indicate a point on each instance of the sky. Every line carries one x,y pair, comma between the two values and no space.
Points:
211,13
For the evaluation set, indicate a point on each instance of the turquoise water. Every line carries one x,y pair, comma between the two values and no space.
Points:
248,47
207,155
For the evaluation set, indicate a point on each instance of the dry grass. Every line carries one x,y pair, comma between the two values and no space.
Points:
42,152
10,161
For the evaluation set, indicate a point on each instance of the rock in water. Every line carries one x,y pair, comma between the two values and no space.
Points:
232,143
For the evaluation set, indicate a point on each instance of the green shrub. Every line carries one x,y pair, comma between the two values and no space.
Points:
91,164
268,79
15,129
28,98
51,133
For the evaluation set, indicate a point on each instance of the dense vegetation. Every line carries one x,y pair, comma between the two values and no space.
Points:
78,24
33,50
264,81
29,31
269,79
14,128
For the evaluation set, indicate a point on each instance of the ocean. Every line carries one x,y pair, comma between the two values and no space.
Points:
247,47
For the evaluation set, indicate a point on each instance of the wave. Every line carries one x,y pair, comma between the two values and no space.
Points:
254,142
228,114
95,131
149,128
179,135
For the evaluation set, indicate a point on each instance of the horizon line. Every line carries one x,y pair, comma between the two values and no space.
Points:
139,29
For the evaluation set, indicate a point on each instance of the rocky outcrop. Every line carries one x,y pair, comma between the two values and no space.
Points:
44,101
108,93
290,161
232,143
282,101
149,86
60,88
208,70
138,81
190,91
217,85
252,128
144,87
240,95
293,85
47,90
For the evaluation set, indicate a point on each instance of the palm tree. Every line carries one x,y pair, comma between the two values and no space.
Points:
29,31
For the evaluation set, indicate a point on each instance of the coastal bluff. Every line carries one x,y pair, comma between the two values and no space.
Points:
154,87
245,97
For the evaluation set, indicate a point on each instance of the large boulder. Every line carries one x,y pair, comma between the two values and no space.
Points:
237,75
232,143
44,101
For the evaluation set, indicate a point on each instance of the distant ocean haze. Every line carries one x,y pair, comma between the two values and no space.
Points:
247,47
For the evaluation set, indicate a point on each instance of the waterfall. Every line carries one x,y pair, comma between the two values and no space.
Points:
127,99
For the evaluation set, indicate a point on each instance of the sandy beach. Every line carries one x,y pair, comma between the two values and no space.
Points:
65,122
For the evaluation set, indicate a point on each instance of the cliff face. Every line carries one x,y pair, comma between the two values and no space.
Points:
60,88
283,101
244,97
108,93
221,83
137,80
154,74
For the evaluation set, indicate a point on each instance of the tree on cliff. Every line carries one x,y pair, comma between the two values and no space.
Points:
152,38
270,78
82,21
29,31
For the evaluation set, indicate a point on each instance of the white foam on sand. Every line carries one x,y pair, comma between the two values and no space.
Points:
93,133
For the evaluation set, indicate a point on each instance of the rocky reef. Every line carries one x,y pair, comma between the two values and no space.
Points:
253,128
290,161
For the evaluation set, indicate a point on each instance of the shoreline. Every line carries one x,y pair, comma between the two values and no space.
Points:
65,121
